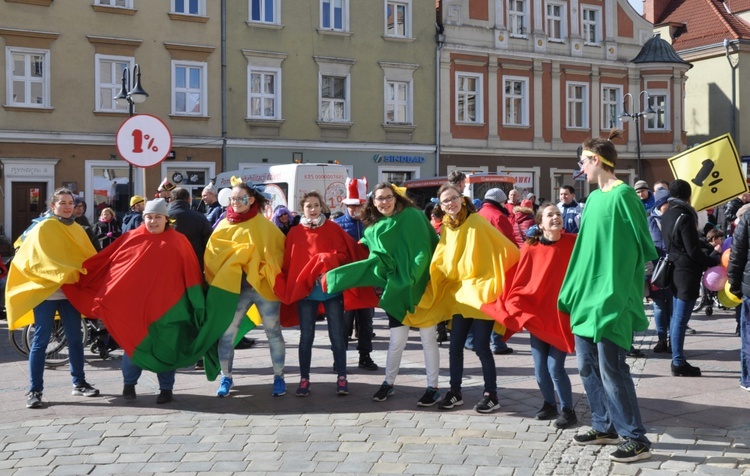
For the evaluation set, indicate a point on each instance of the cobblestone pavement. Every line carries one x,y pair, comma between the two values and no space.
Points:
698,425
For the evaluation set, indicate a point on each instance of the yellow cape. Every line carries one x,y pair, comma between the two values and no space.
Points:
467,270
254,247
52,254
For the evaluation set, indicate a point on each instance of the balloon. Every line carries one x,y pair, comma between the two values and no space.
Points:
726,244
714,278
725,300
731,296
725,258
223,196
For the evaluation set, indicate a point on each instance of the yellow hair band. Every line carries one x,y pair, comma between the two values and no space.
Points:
235,181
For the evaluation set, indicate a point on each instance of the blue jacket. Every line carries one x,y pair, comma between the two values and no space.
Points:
571,216
649,203
654,226
355,228
213,212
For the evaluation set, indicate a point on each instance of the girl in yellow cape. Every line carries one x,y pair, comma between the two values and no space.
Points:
51,254
467,270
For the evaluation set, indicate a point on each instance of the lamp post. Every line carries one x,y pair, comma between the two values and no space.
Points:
636,116
130,97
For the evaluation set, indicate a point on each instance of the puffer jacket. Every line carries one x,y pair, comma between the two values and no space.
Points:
739,264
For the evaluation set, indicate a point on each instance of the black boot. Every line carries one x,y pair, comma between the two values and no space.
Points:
365,362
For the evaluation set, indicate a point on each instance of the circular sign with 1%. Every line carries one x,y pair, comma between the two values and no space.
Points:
144,140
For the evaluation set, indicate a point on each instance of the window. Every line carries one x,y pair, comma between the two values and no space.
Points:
108,73
189,88
334,15
334,99
516,101
517,18
397,102
578,108
398,18
189,7
660,121
591,25
469,98
264,11
611,106
556,21
115,3
264,96
28,81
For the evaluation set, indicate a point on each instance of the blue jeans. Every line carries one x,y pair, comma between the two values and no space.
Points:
363,318
662,313
131,373
44,318
681,311
549,369
307,311
609,388
482,328
496,341
745,345
269,315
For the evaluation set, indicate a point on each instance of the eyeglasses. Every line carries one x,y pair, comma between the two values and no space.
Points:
388,198
243,200
453,199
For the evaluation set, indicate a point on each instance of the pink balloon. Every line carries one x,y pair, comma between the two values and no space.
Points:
715,278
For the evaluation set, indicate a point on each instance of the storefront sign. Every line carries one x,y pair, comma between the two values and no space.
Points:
403,159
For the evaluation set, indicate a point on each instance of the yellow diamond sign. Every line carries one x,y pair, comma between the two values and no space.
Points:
713,170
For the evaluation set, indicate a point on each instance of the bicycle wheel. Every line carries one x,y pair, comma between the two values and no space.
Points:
57,353
18,342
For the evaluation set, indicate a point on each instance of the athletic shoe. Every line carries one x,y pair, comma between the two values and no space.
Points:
631,450
279,386
383,392
304,388
567,419
128,391
430,397
685,370
547,412
689,330
487,404
34,400
84,390
452,399
637,353
165,396
224,386
199,365
593,437
744,387
342,386
365,362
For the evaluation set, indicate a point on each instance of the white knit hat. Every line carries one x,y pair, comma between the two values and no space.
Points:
158,206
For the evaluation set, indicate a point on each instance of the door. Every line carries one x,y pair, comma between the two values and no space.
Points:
28,202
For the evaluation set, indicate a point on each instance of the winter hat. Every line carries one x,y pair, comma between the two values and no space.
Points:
527,204
356,191
79,200
680,189
660,197
166,185
641,185
496,195
158,206
210,188
136,199
530,196
477,203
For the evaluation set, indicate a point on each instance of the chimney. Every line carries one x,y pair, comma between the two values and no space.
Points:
654,9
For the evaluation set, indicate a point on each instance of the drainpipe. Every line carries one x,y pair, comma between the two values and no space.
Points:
223,85
732,116
440,40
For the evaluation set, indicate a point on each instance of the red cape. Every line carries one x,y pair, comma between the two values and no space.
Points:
530,299
135,281
309,253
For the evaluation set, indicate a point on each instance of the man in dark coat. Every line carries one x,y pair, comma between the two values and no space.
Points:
134,217
190,223
683,244
739,285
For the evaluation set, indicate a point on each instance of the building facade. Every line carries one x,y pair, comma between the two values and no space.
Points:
62,65
524,82
342,81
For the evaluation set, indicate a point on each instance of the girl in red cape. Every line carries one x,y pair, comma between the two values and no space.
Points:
530,301
312,248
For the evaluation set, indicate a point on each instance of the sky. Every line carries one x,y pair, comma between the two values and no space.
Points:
638,5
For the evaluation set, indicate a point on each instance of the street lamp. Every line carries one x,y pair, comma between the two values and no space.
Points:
636,116
129,97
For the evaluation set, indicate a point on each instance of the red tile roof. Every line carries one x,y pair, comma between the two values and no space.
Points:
706,22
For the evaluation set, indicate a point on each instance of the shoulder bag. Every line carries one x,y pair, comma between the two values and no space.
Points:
662,276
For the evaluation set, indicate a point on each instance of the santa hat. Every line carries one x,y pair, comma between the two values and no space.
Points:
356,191
166,185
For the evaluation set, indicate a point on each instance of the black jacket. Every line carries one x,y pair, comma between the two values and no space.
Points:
739,266
106,232
131,220
194,225
685,250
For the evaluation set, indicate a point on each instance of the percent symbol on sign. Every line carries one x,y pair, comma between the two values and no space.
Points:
138,138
